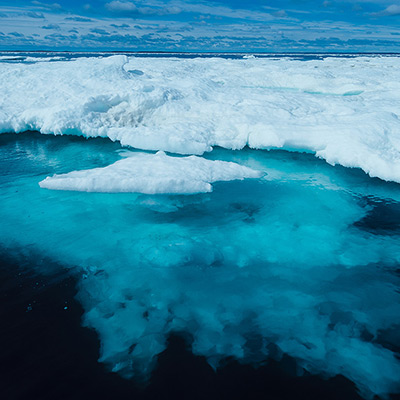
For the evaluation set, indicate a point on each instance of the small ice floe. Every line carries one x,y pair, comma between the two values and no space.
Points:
152,174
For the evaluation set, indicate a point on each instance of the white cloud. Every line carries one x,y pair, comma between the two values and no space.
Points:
127,7
32,14
53,6
120,6
223,11
391,10
52,27
280,14
394,9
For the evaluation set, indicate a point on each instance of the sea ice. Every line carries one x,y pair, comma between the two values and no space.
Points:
151,174
343,110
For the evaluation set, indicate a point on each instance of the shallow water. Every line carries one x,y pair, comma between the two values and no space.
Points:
302,262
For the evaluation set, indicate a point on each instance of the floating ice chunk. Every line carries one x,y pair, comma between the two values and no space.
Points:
152,174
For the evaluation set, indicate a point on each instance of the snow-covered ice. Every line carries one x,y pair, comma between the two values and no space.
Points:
151,174
346,111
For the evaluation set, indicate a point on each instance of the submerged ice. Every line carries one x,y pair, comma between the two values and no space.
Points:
297,262
151,174
346,111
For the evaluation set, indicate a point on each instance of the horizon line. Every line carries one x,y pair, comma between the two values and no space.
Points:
198,52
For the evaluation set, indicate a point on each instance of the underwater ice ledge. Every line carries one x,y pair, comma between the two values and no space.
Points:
278,258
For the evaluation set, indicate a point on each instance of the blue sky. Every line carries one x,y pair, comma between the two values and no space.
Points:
186,25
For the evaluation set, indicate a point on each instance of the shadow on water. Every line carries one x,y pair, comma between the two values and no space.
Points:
233,201
383,218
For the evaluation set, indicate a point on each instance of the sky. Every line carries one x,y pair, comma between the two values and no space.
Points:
207,26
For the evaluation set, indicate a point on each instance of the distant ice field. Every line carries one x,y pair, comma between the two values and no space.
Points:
175,217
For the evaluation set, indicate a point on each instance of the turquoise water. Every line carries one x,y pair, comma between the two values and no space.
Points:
305,258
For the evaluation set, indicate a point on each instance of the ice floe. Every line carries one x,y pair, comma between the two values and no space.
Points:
152,174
